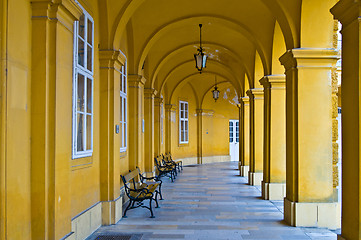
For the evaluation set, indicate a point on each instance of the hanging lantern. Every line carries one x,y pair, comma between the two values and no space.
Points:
200,57
215,91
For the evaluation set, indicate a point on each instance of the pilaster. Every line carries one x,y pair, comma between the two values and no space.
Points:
309,137
199,135
111,62
51,99
244,168
348,12
241,134
136,120
256,136
158,125
274,142
149,94
170,115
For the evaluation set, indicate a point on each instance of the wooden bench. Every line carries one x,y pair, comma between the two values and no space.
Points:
163,169
167,158
137,190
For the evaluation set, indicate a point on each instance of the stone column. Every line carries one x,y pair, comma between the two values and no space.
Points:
244,168
170,115
274,142
199,135
158,125
136,121
309,180
149,95
241,135
110,64
51,100
348,13
255,174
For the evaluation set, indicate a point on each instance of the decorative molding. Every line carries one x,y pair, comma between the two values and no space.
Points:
149,93
170,107
347,11
136,81
205,112
109,58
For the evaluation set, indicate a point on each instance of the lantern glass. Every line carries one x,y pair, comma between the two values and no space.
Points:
215,93
204,60
199,60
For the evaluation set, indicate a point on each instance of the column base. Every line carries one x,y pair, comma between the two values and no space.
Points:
304,214
243,171
112,211
255,178
273,191
339,237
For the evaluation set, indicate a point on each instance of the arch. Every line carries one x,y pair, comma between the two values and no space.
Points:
195,74
232,25
175,51
278,49
209,89
290,31
238,88
103,24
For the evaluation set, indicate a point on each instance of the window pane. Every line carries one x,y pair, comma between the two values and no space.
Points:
121,82
125,109
182,126
186,136
88,132
80,99
182,114
89,96
186,106
182,136
125,83
90,32
121,109
80,52
186,126
79,135
125,134
90,58
230,124
186,114
81,26
181,106
121,126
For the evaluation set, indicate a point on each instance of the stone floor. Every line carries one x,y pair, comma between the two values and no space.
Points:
212,201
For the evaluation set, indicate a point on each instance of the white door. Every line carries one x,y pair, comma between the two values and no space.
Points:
234,140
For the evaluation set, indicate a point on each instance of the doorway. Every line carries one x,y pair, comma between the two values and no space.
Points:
234,140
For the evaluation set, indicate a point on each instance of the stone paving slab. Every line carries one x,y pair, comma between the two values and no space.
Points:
209,202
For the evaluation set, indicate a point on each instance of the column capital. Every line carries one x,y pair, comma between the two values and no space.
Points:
309,58
346,11
274,81
149,92
205,112
136,80
109,58
158,101
170,107
255,93
245,100
67,11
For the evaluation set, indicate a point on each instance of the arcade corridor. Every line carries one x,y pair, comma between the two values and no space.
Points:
209,202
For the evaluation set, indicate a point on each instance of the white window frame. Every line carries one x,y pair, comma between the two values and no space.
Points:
88,75
183,120
124,114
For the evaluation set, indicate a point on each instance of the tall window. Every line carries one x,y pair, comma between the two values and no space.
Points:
83,86
123,109
183,122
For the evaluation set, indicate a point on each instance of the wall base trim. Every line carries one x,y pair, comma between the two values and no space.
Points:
209,159
101,213
243,171
273,191
255,178
304,214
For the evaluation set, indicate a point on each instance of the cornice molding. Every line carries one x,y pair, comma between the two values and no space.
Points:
347,11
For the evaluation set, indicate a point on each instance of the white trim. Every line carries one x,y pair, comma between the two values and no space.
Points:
184,120
123,97
88,75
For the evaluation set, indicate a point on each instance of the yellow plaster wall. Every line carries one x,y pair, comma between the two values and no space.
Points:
84,177
17,138
184,93
216,125
278,49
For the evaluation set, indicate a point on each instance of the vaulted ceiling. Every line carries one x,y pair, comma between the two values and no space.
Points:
242,38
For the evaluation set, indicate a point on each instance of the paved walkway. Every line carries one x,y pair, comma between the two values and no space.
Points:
211,201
